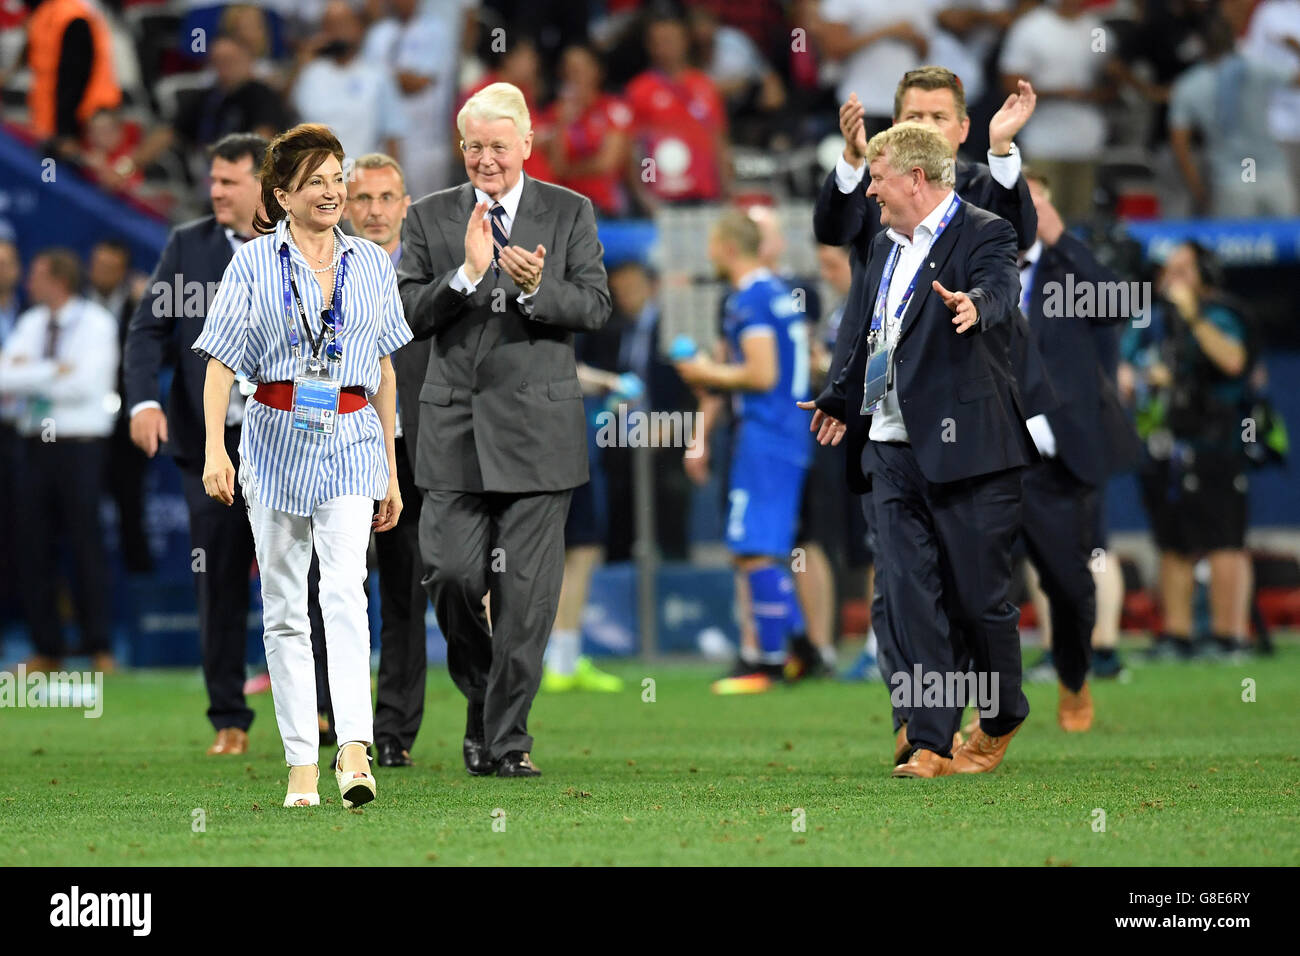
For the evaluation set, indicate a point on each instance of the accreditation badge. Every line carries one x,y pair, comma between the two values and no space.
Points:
878,378
316,396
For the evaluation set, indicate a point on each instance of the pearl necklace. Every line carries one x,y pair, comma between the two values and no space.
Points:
334,258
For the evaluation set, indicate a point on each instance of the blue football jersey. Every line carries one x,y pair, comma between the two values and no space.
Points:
771,417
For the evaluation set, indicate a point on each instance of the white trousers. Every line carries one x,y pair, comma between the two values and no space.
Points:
340,532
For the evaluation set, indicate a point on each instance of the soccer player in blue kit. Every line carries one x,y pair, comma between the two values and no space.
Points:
763,361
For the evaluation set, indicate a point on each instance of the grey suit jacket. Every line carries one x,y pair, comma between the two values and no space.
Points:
501,406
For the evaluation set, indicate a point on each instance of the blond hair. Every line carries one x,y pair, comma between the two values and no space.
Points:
737,226
496,101
912,146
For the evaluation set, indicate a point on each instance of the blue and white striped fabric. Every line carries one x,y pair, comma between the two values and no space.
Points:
246,329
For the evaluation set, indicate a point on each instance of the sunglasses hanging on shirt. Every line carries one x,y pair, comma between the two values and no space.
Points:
329,327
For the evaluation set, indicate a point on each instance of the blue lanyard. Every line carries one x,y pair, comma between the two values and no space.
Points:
882,293
333,350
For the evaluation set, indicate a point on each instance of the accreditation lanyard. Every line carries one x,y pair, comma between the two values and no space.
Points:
880,368
333,350
315,393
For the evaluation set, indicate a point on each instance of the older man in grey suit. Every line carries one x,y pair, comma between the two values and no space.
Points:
500,272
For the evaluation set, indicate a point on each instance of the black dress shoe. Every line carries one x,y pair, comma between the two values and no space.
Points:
328,736
517,763
392,755
477,760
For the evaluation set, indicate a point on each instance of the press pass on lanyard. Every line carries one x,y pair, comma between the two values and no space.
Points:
315,383
880,360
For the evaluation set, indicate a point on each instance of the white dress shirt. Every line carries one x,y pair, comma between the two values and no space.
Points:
887,423
74,389
1004,169
510,202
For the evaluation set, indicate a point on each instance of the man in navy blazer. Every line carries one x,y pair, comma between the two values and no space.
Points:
943,451
167,320
844,215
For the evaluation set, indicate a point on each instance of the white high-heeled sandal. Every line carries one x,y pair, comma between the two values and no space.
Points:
355,786
313,799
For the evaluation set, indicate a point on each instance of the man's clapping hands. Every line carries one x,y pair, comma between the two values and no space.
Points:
524,267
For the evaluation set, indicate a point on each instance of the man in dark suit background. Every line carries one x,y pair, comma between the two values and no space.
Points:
167,320
942,452
500,272
635,335
377,205
1077,440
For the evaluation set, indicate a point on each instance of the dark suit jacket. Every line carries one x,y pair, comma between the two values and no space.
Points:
841,219
410,362
161,332
1031,371
853,220
1088,430
939,374
501,405
123,318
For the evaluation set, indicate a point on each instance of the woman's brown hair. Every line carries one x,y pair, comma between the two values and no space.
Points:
293,156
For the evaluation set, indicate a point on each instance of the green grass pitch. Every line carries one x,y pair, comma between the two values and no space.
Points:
1186,772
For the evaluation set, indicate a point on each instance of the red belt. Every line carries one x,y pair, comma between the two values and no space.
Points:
280,395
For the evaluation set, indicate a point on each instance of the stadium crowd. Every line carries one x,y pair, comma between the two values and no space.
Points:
699,89
1143,109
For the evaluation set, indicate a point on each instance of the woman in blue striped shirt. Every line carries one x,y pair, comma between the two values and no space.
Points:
312,316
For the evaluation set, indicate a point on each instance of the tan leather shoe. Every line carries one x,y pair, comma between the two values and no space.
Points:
924,764
42,664
1074,711
230,740
903,747
981,753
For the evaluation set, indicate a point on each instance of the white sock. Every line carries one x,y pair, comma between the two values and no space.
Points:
828,655
750,655
563,650
871,646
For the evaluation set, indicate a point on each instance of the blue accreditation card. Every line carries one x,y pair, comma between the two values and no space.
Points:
877,379
315,398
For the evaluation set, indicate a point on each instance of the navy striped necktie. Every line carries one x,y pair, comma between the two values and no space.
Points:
52,337
499,237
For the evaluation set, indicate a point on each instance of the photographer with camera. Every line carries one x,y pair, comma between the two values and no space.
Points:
1187,369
